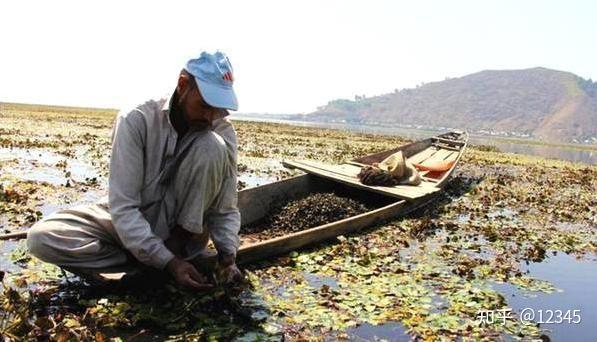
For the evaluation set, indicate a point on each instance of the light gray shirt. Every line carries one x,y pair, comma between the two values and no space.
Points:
144,144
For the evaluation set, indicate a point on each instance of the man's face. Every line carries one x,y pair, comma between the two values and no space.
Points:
197,112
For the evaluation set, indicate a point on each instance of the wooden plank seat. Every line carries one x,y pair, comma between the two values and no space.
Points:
423,155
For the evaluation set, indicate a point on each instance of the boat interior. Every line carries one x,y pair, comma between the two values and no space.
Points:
437,155
445,149
256,203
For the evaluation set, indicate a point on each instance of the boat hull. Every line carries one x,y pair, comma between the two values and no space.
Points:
256,203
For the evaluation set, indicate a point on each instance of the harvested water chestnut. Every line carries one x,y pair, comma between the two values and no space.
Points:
312,211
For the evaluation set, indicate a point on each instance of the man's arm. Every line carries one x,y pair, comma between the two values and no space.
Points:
224,217
223,220
124,188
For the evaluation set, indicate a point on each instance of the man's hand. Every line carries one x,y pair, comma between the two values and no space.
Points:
186,275
227,271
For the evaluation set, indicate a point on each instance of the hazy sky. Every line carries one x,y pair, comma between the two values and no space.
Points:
289,56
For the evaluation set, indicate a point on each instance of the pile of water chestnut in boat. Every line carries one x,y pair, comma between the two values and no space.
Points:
312,211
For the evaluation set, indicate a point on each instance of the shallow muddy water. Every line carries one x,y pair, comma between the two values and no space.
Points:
250,180
6,248
42,166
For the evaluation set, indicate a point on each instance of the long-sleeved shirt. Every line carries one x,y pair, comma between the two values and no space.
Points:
144,147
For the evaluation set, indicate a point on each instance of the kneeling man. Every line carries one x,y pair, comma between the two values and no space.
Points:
172,186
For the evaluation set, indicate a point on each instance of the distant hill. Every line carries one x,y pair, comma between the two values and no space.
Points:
541,103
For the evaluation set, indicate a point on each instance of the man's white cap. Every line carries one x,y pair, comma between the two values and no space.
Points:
214,77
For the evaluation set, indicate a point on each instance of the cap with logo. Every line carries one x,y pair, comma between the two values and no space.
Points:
214,77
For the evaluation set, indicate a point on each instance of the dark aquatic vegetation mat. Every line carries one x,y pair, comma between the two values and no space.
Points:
76,311
18,202
312,211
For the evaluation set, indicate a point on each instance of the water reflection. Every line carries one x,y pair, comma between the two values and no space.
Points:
39,165
391,331
552,152
578,281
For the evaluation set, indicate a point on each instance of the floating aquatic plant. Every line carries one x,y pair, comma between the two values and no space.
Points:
428,272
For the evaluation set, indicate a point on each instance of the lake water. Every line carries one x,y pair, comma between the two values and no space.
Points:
585,155
577,281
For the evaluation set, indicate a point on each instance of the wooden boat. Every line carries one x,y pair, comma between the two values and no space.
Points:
389,202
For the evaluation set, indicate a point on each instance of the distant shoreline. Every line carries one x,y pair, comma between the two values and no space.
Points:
386,130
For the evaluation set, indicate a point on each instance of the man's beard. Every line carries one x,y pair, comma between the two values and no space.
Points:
197,124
